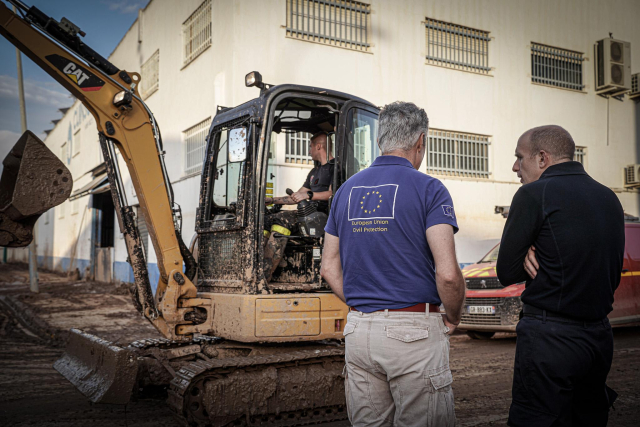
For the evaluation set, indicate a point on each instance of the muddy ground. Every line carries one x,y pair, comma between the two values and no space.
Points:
32,393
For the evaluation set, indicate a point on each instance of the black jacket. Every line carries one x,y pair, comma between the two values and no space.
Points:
577,227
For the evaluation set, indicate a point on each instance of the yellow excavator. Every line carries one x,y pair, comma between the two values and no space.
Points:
239,349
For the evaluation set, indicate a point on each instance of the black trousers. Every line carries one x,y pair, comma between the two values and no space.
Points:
560,371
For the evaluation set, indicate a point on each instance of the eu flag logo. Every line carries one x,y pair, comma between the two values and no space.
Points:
376,202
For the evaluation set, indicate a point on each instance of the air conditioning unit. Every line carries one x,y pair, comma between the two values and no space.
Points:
613,66
635,86
632,176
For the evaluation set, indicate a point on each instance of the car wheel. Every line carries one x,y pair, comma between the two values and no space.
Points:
480,335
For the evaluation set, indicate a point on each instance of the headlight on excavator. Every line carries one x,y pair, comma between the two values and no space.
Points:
122,98
254,78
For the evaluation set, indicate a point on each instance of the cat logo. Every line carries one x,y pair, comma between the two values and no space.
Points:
75,74
81,76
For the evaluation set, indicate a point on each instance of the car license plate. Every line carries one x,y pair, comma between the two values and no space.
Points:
481,309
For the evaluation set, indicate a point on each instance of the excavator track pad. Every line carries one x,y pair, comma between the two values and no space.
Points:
33,181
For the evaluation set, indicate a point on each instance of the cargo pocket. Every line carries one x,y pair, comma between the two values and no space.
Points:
349,328
407,333
441,405
439,378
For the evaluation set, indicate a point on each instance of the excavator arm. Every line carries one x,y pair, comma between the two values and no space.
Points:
124,122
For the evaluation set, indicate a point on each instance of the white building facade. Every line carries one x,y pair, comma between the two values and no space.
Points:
485,72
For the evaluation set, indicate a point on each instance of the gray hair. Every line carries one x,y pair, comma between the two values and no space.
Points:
553,139
400,126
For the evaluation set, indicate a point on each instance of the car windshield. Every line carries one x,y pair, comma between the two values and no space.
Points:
492,256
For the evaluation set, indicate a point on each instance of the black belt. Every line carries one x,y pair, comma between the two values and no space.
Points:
529,310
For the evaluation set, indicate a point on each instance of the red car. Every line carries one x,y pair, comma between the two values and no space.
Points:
492,307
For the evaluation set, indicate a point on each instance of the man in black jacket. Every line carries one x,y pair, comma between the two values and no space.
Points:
564,236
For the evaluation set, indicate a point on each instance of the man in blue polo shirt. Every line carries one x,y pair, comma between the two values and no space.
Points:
389,253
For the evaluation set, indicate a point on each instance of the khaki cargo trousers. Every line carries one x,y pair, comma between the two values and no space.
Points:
397,370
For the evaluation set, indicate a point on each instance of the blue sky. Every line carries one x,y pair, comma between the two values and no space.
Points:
104,21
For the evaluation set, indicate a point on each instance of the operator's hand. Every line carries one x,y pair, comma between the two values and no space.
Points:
531,265
268,200
299,196
448,324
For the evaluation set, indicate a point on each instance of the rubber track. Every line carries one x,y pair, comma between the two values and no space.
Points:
190,373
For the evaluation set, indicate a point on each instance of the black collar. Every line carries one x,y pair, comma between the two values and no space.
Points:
565,168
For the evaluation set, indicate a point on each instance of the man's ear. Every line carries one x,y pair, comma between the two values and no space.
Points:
544,159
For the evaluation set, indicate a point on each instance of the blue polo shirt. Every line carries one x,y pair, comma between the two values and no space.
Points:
381,215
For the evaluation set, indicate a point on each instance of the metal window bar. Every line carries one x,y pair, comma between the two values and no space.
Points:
458,154
558,67
456,46
150,74
297,148
195,145
342,23
579,154
196,32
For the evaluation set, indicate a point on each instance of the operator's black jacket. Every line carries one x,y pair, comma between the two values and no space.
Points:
577,227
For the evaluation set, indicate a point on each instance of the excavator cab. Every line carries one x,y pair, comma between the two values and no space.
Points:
231,217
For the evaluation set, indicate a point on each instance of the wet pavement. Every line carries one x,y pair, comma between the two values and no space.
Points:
32,393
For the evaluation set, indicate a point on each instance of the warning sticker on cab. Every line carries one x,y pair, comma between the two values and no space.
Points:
82,77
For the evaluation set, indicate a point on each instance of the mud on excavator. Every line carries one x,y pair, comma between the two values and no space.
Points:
238,349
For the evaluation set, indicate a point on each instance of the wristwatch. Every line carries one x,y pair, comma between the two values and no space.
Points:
310,194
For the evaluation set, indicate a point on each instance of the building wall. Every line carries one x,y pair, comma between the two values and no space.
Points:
250,35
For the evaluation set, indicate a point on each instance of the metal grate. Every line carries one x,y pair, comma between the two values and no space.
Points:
150,73
489,283
297,148
580,154
458,47
194,146
220,256
553,66
630,174
196,32
635,87
481,319
484,301
459,154
342,23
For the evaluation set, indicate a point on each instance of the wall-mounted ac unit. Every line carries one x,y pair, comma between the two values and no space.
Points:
632,176
635,86
613,66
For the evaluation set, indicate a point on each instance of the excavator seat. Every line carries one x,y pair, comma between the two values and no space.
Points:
33,181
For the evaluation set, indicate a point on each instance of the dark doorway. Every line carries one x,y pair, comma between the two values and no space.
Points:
105,224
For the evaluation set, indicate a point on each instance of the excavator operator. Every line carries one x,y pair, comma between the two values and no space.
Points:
317,187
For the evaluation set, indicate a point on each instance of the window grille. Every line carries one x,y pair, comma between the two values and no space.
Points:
297,148
580,154
196,32
150,72
458,154
635,88
553,66
194,146
342,23
458,47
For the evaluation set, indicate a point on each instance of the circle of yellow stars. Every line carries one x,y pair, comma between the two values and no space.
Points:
373,193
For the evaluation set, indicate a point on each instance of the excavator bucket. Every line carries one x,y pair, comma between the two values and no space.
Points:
103,372
33,181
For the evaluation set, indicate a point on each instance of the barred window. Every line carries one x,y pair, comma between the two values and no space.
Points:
458,47
635,88
297,148
458,154
194,146
553,66
580,154
196,32
150,72
342,23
